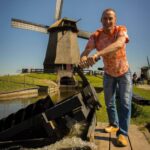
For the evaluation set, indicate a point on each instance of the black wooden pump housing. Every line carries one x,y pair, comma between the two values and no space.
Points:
45,123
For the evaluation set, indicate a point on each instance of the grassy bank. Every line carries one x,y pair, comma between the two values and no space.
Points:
24,81
143,112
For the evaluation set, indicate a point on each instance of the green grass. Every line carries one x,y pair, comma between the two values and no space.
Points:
98,82
52,77
13,83
23,81
101,113
144,111
142,92
10,86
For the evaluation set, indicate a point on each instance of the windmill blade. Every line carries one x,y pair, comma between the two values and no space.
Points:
17,23
148,62
84,34
58,9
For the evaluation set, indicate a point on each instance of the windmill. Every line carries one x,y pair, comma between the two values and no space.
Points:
62,50
146,71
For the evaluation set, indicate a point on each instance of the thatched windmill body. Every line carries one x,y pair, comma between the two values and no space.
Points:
62,50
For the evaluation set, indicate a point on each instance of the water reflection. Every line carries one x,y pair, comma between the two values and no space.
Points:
64,94
11,106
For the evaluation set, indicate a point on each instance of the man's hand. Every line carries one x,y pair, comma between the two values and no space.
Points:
87,62
92,60
83,62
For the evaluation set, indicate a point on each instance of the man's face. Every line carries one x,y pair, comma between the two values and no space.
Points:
108,20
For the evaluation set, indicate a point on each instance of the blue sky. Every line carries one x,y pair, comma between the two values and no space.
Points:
26,49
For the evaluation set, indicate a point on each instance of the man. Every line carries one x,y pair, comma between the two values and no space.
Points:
110,42
134,79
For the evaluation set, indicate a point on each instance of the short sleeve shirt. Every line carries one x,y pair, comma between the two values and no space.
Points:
115,63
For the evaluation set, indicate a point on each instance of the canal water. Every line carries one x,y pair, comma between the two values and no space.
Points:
11,106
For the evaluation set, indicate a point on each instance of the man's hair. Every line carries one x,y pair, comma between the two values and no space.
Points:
108,9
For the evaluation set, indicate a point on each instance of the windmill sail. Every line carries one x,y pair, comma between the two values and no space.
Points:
58,9
148,71
17,23
148,62
84,34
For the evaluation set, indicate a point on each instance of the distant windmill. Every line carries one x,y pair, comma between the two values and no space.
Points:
62,49
146,71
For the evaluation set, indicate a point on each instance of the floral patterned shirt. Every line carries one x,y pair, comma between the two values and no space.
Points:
115,63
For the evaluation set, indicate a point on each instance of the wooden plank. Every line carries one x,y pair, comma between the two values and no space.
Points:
102,139
91,130
137,138
48,126
106,141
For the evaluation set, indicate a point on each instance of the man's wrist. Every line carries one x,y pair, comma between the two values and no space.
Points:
96,55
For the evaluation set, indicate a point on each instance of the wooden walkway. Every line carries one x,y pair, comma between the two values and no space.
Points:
107,141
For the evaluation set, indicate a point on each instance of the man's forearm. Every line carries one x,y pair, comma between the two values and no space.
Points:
113,47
